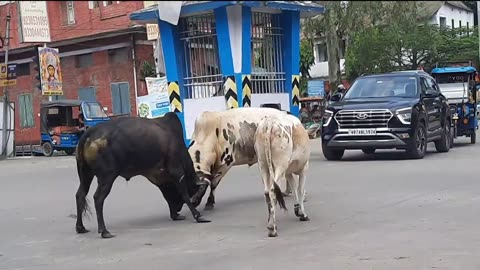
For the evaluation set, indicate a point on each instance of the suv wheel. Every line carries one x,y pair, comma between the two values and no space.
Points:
444,144
418,145
473,137
332,154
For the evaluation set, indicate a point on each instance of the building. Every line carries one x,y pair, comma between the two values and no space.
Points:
452,14
102,54
230,54
444,13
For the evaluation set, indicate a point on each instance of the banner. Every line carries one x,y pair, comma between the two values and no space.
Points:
34,21
152,31
156,103
316,88
169,11
50,71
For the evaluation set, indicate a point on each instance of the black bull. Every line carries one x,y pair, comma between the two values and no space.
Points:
131,146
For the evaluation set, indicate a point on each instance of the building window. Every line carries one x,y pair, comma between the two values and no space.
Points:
23,69
443,22
117,56
83,60
120,98
322,52
70,13
453,23
468,26
26,110
459,24
93,4
107,3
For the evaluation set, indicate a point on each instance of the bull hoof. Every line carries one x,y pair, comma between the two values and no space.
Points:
81,230
208,207
202,220
107,234
178,217
296,208
272,234
304,218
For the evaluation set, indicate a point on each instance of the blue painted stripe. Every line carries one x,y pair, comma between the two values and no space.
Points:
173,55
246,40
295,41
238,82
199,7
223,39
292,6
253,3
168,46
291,47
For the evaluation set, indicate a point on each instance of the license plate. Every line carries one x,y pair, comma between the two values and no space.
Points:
362,132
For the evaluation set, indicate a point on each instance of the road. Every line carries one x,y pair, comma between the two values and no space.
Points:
367,212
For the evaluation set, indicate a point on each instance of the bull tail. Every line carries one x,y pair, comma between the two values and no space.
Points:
268,157
85,176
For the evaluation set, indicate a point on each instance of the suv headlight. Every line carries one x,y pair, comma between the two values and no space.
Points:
404,115
327,117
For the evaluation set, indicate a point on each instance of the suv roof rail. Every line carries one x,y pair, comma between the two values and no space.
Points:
416,71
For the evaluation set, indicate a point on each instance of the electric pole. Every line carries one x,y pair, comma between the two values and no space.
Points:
6,105
478,26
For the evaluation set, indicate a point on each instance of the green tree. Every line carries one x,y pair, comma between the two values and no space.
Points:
457,45
404,40
307,60
342,20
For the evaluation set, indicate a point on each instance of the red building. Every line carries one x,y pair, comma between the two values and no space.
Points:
102,54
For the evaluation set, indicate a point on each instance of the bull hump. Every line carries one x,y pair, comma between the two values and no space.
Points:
246,144
92,148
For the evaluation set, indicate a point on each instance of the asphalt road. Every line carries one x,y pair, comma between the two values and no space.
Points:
367,212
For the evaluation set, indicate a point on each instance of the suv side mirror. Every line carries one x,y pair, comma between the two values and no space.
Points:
336,97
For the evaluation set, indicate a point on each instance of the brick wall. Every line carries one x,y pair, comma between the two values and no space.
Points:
90,21
100,74
87,21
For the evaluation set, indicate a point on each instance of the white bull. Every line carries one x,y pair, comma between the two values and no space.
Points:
225,139
282,148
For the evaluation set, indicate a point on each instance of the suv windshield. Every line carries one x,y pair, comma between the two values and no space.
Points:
93,110
384,86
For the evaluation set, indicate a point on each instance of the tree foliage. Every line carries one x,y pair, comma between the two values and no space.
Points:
307,60
406,41
342,20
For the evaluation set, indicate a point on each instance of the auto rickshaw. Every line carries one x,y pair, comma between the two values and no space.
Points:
311,112
459,86
62,122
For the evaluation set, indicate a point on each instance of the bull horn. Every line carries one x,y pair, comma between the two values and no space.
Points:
204,181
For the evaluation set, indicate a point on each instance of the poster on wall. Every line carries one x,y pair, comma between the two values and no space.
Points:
156,103
316,88
50,71
35,26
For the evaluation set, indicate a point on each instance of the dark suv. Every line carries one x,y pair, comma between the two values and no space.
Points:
398,110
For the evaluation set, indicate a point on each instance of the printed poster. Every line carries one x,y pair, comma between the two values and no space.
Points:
156,103
50,71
